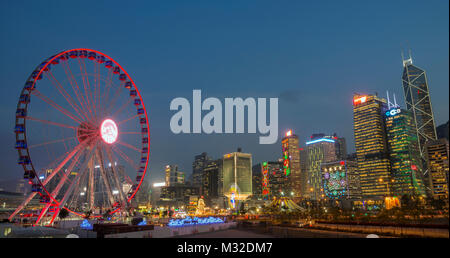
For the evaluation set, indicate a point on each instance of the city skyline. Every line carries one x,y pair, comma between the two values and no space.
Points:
281,74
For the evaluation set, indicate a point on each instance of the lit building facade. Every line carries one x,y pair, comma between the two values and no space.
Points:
211,183
257,180
274,181
438,167
320,150
237,175
406,162
198,165
417,99
341,180
371,145
291,162
173,176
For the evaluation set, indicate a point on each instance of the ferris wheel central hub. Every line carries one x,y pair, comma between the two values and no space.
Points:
109,131
85,131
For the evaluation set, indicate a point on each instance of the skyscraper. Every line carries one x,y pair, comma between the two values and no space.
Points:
257,183
438,164
291,162
417,99
341,147
371,145
237,175
274,182
321,149
197,168
406,162
211,183
173,176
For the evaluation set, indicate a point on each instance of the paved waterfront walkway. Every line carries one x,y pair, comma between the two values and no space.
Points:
302,233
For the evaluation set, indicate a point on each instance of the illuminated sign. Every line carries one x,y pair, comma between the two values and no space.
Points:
359,100
393,112
109,131
320,140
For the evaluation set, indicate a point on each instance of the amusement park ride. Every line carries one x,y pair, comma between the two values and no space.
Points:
79,115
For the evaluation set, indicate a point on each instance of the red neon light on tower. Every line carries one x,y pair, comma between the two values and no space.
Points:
360,100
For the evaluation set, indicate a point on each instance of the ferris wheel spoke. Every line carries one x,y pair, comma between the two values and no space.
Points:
51,142
129,101
86,84
116,178
126,120
64,93
108,86
103,173
64,111
96,86
114,98
76,89
130,132
57,189
73,183
122,173
50,122
64,162
129,146
125,157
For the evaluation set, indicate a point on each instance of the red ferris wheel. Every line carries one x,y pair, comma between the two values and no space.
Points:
81,130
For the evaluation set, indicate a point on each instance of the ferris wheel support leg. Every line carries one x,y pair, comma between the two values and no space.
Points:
32,195
55,192
91,184
73,184
105,178
116,179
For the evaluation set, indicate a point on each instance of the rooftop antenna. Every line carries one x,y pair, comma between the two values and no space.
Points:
395,102
407,61
390,104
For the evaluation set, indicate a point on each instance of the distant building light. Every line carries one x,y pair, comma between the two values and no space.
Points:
159,184
289,133
320,140
115,192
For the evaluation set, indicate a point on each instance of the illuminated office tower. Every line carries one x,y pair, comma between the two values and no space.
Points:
197,168
321,149
237,175
417,99
341,147
273,181
341,180
371,145
257,177
291,163
211,179
304,172
173,176
438,165
406,162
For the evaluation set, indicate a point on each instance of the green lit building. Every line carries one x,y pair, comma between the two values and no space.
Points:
291,163
404,153
371,145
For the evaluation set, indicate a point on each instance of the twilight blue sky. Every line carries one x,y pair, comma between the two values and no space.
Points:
312,56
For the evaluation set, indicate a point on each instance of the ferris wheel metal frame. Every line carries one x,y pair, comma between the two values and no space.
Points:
87,133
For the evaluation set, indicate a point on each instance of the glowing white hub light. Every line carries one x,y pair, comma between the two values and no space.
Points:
109,131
